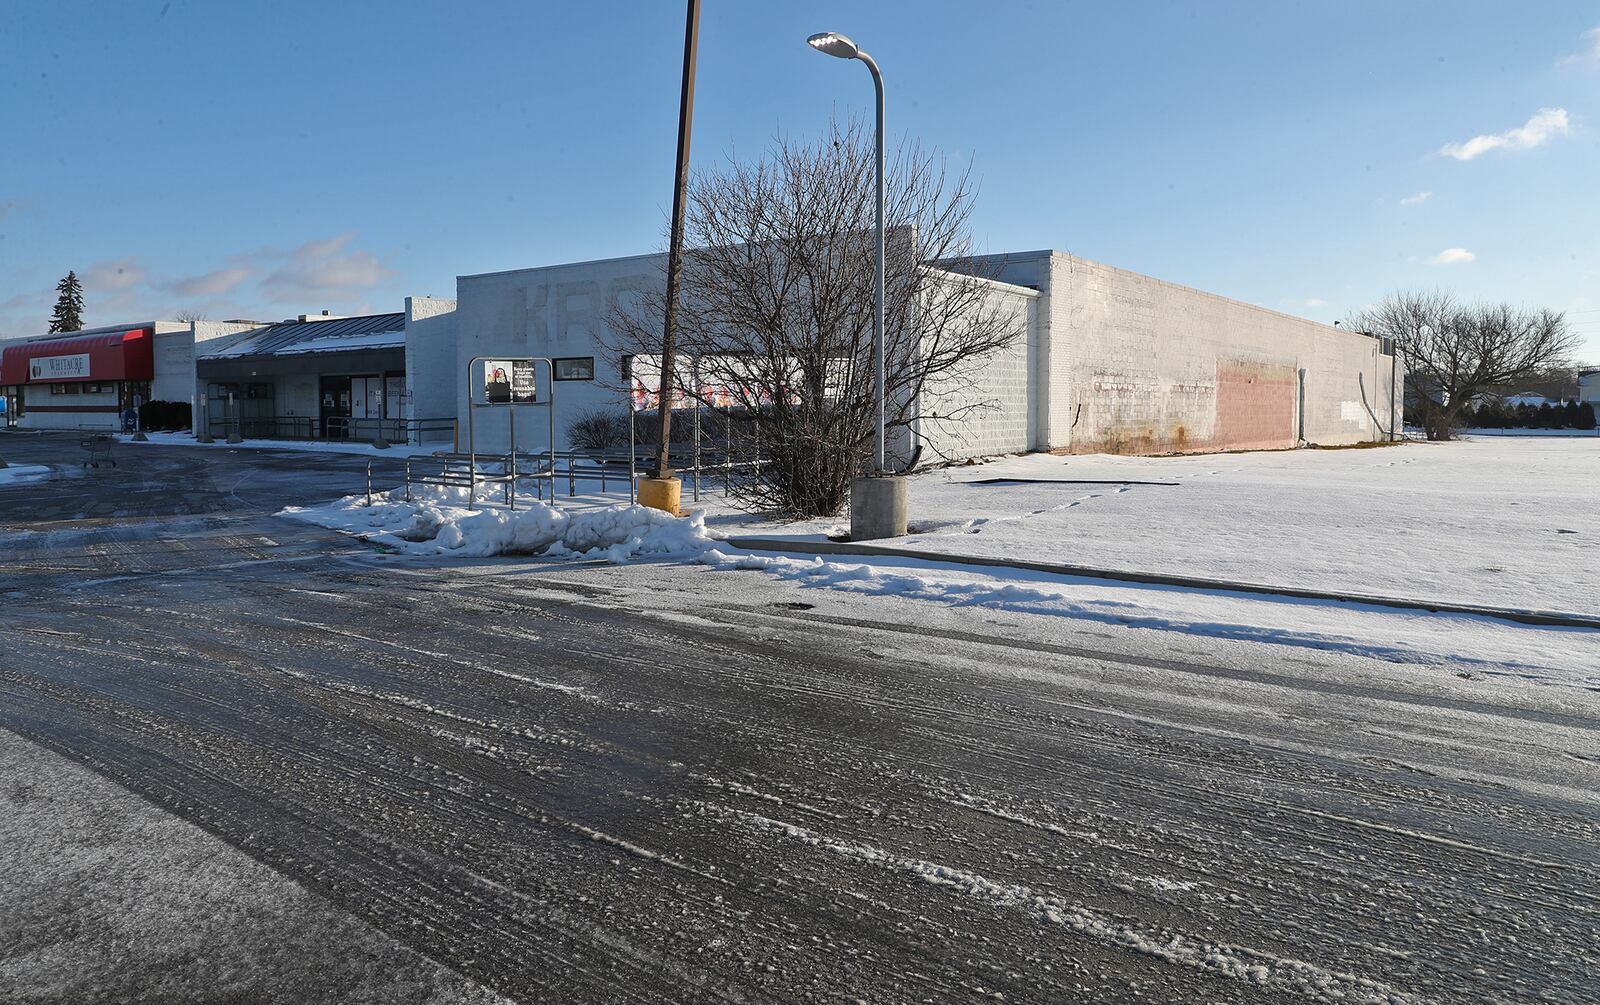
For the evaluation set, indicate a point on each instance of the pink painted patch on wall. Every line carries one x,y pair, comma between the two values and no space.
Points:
1255,406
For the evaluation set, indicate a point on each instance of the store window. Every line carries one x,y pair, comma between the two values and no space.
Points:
574,368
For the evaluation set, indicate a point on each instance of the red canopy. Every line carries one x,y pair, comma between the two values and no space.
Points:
124,355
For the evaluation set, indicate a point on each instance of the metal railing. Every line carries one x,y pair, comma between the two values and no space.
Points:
309,427
612,469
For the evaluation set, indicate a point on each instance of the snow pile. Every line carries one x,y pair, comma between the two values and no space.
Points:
439,522
22,474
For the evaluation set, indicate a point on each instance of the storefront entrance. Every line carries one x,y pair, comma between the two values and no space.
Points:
335,409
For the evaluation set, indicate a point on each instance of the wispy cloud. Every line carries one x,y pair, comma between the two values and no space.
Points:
1453,256
322,268
322,272
210,284
1588,54
117,274
1545,125
1416,200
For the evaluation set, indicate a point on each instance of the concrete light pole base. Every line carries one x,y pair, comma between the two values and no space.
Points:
203,438
139,437
877,508
379,443
663,494
235,438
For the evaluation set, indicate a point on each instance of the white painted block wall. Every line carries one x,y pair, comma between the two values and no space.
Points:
991,410
555,312
431,360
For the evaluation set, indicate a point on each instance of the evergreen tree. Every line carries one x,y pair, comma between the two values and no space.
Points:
1585,415
68,313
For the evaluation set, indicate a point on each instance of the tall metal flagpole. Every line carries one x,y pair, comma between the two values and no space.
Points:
691,40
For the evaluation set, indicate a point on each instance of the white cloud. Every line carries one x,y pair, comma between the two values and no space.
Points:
1545,125
210,284
1453,256
118,274
1589,54
318,268
1416,200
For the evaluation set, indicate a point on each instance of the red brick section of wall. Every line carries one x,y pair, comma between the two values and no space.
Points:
1255,406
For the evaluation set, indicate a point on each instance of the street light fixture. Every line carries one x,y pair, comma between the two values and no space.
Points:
835,44
878,503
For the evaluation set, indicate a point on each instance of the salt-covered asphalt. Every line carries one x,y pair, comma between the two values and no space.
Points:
653,782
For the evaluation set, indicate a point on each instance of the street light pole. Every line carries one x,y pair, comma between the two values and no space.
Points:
835,44
877,504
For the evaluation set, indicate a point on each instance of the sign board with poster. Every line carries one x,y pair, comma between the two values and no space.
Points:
510,382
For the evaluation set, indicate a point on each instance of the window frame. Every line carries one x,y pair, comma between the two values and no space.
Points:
555,367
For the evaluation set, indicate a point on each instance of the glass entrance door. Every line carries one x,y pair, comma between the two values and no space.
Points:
335,411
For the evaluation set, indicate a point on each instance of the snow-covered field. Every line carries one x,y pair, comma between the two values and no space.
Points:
1503,521
1468,521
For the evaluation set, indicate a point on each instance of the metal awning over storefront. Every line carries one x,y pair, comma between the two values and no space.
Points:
105,356
310,337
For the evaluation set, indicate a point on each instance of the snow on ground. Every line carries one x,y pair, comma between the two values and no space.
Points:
307,446
1498,431
438,522
1502,521
1479,646
22,474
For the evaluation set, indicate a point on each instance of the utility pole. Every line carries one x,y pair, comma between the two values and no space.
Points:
691,39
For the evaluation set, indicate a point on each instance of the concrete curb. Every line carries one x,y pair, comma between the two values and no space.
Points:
1556,619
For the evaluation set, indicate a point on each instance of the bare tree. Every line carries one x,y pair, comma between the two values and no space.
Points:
189,316
1455,352
776,322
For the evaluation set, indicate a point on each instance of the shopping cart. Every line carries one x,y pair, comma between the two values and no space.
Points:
97,448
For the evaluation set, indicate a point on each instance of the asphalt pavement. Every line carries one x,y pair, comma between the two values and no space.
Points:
583,783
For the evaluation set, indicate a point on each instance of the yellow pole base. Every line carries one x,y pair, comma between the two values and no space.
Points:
661,493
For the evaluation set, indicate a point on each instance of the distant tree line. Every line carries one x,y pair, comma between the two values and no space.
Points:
1502,415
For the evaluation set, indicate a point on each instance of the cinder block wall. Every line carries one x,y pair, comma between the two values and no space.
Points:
992,409
1156,367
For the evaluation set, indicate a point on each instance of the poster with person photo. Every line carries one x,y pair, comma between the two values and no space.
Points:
509,381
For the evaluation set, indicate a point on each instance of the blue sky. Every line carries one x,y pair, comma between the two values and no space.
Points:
261,160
